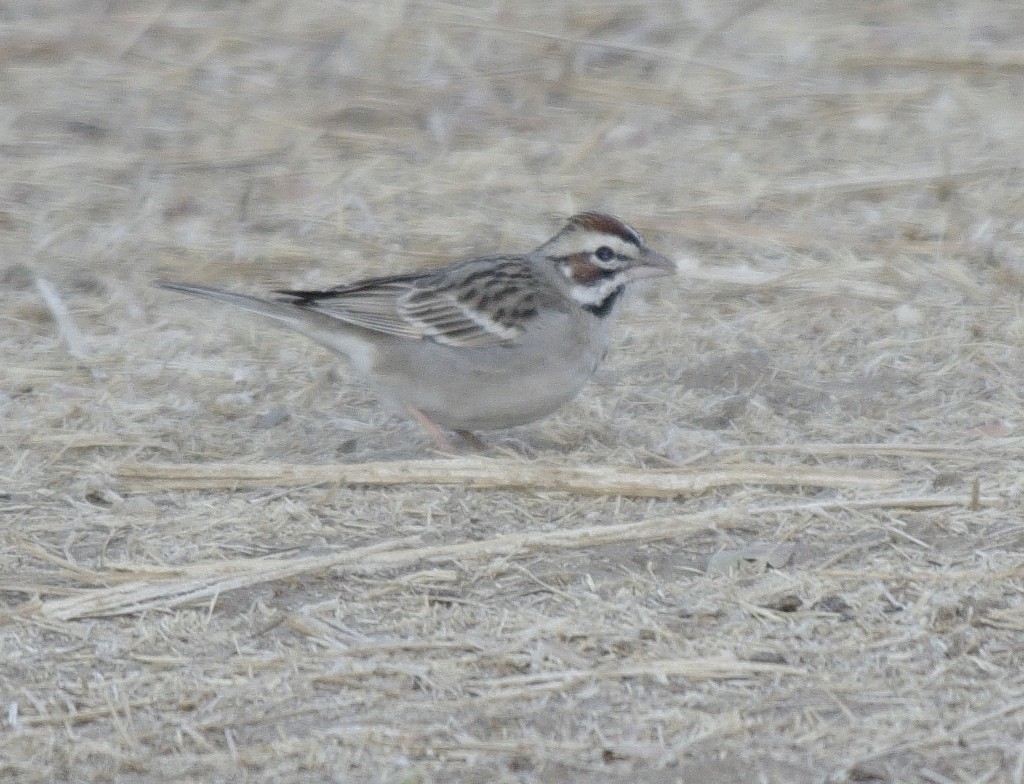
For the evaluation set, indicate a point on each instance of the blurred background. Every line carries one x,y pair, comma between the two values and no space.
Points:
834,161
841,184
285,138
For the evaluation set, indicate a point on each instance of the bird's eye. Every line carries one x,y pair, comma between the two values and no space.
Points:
604,253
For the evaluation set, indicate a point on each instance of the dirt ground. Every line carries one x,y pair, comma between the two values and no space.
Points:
779,539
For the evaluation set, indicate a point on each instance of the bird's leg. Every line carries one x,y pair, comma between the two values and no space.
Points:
432,430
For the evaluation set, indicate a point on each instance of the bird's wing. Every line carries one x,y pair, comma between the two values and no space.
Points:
483,302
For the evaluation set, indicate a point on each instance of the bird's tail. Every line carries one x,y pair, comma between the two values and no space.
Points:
287,314
328,331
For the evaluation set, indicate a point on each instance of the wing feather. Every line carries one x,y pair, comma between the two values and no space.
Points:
483,302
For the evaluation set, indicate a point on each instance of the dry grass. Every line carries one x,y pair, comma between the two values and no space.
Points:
779,540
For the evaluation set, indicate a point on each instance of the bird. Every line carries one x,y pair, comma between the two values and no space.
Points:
482,344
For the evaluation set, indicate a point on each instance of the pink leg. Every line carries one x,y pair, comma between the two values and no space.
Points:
433,430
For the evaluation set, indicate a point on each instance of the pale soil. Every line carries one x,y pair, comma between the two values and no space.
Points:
843,191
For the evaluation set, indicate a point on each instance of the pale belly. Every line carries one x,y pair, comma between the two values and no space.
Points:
488,389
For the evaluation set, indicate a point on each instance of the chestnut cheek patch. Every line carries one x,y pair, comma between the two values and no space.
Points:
583,271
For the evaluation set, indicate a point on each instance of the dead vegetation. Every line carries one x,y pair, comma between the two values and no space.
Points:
780,540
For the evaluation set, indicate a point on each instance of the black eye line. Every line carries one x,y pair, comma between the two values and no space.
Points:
616,257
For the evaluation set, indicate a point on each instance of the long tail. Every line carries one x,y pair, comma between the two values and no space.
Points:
325,330
289,315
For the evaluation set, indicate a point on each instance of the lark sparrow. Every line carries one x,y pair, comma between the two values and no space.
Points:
481,344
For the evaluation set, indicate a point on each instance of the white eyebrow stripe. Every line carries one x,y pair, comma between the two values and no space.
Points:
620,246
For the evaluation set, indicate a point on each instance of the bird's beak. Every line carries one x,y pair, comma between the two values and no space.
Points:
651,264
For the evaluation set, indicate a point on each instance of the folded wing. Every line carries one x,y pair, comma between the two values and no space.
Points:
484,302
